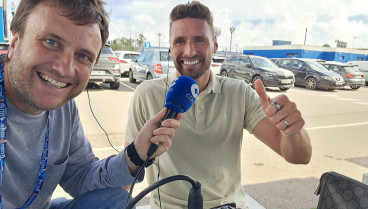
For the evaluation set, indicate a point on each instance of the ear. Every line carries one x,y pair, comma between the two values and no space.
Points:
13,44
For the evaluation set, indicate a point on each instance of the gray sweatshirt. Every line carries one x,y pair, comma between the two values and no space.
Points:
71,162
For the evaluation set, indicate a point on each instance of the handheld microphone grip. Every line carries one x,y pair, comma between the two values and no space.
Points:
180,97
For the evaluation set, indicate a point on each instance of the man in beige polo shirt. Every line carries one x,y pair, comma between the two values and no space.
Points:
207,146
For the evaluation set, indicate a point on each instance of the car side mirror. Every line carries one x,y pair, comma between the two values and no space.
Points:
304,68
248,65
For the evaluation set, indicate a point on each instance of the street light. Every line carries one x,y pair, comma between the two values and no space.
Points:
159,40
353,42
232,29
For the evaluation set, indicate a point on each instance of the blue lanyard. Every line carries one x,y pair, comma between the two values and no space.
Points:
43,160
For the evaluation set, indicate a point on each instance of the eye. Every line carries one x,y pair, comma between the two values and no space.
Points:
199,40
51,42
180,41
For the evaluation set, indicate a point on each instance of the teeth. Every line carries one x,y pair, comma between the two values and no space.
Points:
52,82
193,62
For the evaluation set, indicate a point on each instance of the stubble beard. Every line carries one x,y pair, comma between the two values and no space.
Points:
191,72
21,85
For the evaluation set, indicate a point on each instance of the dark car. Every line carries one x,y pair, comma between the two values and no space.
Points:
152,63
251,68
107,69
352,76
311,74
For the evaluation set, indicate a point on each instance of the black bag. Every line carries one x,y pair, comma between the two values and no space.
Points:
340,192
227,206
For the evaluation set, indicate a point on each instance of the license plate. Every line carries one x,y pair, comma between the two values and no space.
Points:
286,81
98,72
358,76
339,82
172,69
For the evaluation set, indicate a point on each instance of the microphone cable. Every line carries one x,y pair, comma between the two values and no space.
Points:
149,153
93,114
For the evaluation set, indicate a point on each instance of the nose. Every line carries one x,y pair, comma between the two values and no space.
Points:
64,63
189,49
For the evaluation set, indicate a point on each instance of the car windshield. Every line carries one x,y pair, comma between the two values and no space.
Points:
350,69
107,50
164,55
131,56
317,66
262,62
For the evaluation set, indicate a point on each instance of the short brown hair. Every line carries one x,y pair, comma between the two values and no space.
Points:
81,12
194,9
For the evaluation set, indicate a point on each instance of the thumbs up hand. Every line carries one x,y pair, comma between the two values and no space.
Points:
282,112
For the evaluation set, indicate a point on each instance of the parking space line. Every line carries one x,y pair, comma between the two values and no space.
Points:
348,99
362,103
127,86
338,126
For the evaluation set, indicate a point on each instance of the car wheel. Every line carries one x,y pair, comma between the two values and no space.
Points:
223,73
149,76
257,77
283,88
311,83
131,79
354,87
114,85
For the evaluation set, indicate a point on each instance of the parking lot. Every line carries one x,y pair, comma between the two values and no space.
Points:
337,122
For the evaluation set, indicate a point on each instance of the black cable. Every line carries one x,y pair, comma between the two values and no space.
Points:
195,191
108,139
136,177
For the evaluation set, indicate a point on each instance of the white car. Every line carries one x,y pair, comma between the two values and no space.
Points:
216,64
125,58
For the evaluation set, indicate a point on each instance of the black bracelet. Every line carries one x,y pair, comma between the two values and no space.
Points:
134,157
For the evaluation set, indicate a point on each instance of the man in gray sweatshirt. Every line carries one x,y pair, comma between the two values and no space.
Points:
55,44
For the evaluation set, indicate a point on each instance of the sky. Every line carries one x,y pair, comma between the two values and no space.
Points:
256,23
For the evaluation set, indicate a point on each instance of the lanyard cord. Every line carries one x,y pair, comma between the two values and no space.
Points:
44,156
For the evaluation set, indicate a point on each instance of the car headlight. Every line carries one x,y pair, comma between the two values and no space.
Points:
327,77
270,74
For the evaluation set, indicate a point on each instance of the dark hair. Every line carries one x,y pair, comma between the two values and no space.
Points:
81,12
194,9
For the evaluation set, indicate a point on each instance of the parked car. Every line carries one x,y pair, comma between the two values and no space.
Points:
216,64
362,67
4,47
311,74
125,59
152,63
107,69
251,68
352,76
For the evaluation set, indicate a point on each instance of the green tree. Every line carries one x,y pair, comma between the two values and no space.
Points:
326,45
127,44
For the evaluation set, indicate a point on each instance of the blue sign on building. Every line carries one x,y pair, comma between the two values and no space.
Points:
1,25
147,44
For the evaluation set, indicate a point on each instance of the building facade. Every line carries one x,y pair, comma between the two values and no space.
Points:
307,51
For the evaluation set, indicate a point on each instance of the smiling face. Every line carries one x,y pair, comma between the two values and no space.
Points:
51,63
192,45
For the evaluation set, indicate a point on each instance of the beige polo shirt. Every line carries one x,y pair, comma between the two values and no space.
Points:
207,145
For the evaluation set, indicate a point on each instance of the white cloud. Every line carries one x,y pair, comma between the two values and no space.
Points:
257,22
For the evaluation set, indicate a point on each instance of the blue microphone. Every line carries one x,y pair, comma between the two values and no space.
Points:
180,97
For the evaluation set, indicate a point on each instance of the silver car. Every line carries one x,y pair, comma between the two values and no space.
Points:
152,63
352,76
107,69
125,59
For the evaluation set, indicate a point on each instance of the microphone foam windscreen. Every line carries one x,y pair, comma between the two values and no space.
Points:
182,94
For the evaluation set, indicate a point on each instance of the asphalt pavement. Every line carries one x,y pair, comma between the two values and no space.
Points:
337,122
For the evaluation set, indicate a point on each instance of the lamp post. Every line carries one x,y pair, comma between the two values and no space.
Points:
159,40
232,29
353,41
